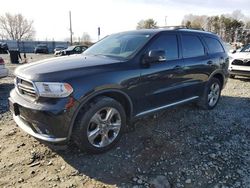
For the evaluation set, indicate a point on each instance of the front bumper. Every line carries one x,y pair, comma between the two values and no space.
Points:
239,70
47,120
24,125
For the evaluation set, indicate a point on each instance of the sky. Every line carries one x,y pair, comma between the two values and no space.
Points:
51,17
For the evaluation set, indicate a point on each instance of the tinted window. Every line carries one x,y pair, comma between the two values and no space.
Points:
167,43
214,46
192,46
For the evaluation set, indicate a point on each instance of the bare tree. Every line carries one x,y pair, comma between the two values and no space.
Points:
16,27
146,24
195,21
86,37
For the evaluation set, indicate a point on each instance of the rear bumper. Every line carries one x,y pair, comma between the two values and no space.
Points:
4,72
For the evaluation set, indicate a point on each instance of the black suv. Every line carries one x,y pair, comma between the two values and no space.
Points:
78,49
3,48
93,97
41,48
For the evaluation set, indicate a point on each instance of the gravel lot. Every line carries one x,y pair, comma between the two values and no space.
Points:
180,147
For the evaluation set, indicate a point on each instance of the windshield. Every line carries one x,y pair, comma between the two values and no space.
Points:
71,47
246,48
120,45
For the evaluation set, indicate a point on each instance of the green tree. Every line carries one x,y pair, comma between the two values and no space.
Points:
146,24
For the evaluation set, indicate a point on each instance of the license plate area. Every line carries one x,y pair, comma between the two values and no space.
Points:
14,108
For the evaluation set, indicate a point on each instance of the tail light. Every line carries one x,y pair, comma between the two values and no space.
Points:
1,61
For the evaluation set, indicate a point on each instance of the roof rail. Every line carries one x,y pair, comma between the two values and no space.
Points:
173,27
176,27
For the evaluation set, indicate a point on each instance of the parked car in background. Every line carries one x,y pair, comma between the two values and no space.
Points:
240,62
58,50
78,49
3,48
91,98
3,71
41,48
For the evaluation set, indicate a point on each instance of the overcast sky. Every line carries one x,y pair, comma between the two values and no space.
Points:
51,17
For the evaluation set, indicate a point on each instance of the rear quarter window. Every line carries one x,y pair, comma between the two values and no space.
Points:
192,46
214,46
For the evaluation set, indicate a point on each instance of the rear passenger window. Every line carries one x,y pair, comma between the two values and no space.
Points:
192,46
214,46
167,43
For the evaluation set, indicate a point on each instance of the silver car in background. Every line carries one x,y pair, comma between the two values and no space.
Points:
3,71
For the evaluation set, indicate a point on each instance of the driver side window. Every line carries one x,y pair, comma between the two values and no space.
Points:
168,43
78,49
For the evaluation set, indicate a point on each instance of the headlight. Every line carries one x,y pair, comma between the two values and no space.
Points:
53,89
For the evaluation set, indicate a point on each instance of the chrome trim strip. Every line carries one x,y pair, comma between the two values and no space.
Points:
22,124
166,106
27,89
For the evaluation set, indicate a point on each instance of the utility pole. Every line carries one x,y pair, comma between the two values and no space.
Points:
98,32
70,28
166,17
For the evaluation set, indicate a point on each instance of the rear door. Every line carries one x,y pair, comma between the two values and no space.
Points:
196,64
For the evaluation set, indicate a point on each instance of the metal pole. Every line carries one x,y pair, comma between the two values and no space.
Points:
99,32
70,28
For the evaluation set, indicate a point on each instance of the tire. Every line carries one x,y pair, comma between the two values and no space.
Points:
231,76
211,95
95,131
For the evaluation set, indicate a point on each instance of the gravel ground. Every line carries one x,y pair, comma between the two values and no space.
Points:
180,147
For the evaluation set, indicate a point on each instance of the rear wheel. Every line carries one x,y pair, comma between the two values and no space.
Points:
99,125
211,94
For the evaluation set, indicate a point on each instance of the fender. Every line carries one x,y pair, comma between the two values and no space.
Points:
87,98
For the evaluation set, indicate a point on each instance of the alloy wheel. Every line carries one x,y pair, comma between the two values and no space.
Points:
213,94
104,127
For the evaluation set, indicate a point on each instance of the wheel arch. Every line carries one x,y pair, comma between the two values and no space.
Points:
116,94
219,76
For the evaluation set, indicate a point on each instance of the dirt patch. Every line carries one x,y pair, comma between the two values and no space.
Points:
180,147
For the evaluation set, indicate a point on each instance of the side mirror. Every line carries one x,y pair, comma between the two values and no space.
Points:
154,56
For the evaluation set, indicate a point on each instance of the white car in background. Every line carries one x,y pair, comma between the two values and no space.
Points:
240,62
3,71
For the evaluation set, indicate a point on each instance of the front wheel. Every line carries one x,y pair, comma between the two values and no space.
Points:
99,125
211,94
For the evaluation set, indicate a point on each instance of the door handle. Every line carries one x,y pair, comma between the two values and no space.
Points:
210,62
178,67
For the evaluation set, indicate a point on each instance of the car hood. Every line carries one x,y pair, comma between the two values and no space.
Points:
241,55
62,67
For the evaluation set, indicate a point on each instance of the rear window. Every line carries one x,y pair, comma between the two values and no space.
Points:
214,46
192,46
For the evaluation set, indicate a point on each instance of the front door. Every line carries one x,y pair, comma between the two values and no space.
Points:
161,83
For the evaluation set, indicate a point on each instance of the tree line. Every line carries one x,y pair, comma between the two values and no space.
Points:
233,27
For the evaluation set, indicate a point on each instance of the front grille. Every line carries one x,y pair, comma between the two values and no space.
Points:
241,62
25,88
